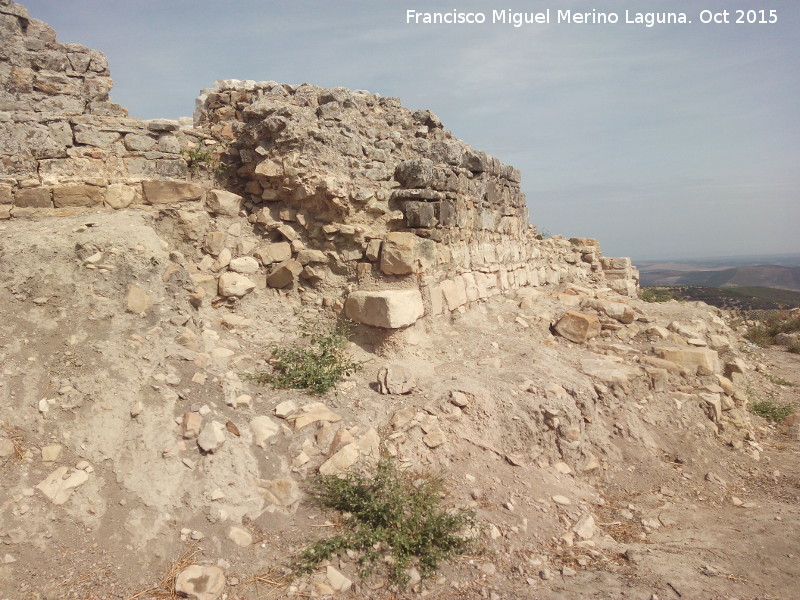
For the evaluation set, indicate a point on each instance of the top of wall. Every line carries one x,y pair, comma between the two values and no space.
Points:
41,75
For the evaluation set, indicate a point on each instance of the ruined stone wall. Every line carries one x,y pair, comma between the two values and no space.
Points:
63,144
392,198
347,194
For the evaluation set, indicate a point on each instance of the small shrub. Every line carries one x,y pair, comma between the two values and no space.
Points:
771,410
770,324
654,294
200,159
389,514
542,234
794,348
316,365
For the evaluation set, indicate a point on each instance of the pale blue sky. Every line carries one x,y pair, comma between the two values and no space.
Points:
671,141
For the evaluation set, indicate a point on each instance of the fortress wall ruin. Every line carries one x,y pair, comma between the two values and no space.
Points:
348,192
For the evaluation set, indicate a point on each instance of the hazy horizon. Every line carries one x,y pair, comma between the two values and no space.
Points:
677,140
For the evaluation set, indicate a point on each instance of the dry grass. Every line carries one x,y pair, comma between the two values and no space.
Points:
275,579
17,438
165,589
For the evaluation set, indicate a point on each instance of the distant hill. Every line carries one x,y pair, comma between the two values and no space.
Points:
764,276
740,298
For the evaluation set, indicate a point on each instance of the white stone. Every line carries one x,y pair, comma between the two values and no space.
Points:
244,264
212,437
389,309
234,285
200,582
57,488
338,582
240,537
263,428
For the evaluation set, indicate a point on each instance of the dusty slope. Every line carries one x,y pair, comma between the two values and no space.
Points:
635,448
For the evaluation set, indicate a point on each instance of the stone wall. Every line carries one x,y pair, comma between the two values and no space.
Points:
391,197
63,144
347,194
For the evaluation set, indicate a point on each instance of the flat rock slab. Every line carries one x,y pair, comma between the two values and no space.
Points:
57,489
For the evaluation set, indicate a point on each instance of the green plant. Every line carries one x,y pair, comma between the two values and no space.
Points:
316,365
655,294
202,159
794,348
389,517
771,410
778,380
770,324
543,234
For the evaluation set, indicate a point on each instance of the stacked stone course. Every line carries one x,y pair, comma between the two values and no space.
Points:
346,189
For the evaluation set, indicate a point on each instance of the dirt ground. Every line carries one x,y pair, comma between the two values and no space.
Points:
534,432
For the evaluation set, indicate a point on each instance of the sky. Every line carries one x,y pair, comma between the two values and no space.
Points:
671,141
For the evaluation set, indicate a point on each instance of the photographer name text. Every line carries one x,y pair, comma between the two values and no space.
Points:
593,17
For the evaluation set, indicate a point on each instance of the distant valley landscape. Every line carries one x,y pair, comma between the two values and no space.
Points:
744,282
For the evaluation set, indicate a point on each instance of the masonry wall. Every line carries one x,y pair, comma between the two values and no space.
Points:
344,192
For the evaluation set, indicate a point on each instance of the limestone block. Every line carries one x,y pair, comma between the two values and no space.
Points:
713,405
139,143
138,300
77,195
272,253
284,274
455,292
6,196
244,264
696,361
192,224
167,192
405,253
57,487
578,327
214,242
198,582
212,437
389,309
373,249
119,195
616,310
33,198
234,285
221,202
305,257
396,379
421,214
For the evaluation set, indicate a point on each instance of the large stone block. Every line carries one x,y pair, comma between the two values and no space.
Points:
272,253
389,309
421,214
578,327
455,292
167,192
696,361
119,195
284,274
33,198
403,253
77,195
221,202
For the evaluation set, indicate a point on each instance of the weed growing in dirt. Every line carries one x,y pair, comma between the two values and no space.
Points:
771,410
316,365
779,380
794,348
654,294
771,324
389,513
